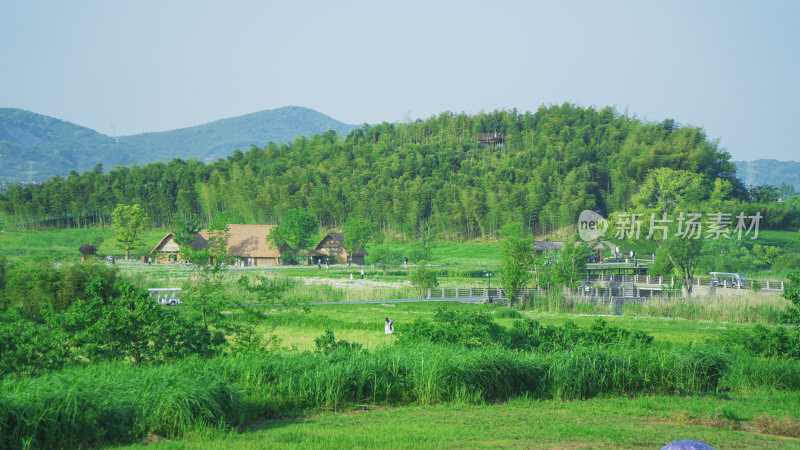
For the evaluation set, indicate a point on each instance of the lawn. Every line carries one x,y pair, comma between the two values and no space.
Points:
747,421
364,323
63,244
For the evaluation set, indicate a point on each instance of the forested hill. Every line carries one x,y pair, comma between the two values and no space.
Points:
39,147
769,171
553,164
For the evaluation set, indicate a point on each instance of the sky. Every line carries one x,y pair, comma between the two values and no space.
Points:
126,67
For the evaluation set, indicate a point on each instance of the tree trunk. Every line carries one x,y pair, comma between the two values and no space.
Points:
127,253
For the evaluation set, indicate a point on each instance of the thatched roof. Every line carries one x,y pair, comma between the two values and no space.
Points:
548,246
161,243
339,237
245,241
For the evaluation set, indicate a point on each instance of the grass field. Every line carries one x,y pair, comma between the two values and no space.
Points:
63,244
364,323
422,396
759,420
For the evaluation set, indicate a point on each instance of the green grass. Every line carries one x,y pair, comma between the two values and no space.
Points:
732,399
458,254
724,422
117,402
63,244
788,241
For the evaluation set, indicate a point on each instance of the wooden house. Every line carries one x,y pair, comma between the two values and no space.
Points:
167,251
247,245
331,246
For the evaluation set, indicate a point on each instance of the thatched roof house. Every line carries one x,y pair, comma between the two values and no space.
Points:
247,244
331,246
166,251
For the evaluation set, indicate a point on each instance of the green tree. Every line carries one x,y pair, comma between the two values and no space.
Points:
684,255
358,233
384,256
767,253
422,279
764,193
255,326
296,232
129,221
516,260
725,255
791,293
205,294
570,266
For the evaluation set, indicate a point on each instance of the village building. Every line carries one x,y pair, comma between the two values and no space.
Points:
330,247
247,244
167,251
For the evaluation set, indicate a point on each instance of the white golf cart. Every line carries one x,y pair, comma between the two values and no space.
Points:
167,296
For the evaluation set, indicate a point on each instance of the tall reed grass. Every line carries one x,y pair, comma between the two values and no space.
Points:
747,308
116,403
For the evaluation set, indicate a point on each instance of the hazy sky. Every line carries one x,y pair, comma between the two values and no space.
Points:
732,68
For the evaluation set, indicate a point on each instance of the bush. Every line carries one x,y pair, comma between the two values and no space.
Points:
88,249
507,313
792,294
773,342
467,328
35,282
327,344
476,329
125,325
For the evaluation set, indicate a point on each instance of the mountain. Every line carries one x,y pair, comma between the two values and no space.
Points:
218,139
769,171
37,147
463,175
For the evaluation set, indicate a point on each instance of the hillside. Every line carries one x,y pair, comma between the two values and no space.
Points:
769,171
551,164
218,139
40,147
37,146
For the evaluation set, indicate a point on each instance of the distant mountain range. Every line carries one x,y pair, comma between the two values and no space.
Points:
38,147
769,171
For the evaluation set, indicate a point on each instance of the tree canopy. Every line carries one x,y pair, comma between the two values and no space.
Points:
434,173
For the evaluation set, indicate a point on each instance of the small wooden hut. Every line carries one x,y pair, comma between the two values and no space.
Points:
331,246
167,251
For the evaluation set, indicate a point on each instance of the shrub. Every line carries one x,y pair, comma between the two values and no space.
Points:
125,325
476,329
87,249
423,279
507,313
327,344
773,342
468,328
792,293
